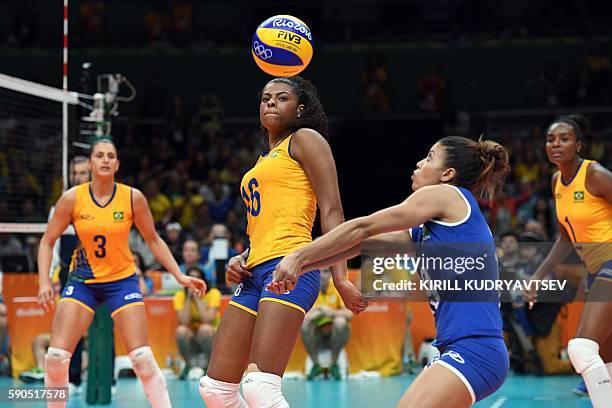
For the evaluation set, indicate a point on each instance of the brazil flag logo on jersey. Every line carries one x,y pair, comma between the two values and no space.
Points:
118,215
578,196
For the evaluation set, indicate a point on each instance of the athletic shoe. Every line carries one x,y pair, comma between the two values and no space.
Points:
34,375
581,389
185,372
315,371
195,374
334,371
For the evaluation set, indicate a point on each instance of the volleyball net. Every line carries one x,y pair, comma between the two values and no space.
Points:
34,140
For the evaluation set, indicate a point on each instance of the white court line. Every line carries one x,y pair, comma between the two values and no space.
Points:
499,402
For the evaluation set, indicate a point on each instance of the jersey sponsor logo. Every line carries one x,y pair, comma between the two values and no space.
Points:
118,215
578,196
86,217
558,196
274,154
133,295
455,356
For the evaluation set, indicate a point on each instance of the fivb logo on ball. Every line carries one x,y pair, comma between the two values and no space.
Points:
282,45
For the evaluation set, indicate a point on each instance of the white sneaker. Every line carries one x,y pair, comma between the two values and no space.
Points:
195,373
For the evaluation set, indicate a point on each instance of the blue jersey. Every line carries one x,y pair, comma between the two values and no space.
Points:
467,257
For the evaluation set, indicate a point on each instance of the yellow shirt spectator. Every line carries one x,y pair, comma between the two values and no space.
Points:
330,298
212,299
159,204
186,209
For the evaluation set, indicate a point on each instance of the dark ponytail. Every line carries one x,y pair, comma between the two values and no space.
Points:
480,166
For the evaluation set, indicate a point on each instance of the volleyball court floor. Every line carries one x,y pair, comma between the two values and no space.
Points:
517,392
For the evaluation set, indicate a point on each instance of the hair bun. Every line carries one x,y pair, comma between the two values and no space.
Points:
492,153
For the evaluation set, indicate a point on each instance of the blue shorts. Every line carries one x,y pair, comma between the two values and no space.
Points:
118,295
605,272
480,362
253,290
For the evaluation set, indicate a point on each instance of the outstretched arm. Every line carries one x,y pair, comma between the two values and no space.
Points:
426,203
392,238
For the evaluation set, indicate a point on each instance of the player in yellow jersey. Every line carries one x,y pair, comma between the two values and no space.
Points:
583,197
102,270
281,192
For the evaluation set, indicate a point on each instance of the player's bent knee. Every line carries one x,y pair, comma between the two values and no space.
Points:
206,330
143,362
183,332
340,323
57,362
584,354
263,390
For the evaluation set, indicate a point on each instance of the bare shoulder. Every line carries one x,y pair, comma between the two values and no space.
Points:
307,143
307,136
597,170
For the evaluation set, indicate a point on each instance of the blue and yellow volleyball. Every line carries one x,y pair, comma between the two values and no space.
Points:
282,46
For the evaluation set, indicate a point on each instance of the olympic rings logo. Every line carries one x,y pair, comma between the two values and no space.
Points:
261,51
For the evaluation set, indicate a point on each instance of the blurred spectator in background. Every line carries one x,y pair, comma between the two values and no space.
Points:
374,79
191,257
92,20
10,245
174,240
32,244
185,206
326,325
156,24
598,146
145,283
139,246
599,75
431,87
182,18
209,113
160,204
198,320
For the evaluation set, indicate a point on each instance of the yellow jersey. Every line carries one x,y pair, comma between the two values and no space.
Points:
330,298
212,299
281,205
102,253
586,218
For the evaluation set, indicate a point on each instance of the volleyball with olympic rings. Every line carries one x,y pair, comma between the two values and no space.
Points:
282,46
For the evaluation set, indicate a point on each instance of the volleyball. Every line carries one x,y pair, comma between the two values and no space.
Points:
282,46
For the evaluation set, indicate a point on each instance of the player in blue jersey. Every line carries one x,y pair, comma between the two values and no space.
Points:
473,360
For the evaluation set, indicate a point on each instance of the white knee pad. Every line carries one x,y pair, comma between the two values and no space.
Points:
219,394
584,354
143,362
57,362
263,390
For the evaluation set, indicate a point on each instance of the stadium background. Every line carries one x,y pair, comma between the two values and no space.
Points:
394,76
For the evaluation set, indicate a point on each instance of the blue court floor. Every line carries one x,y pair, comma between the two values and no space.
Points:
517,392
